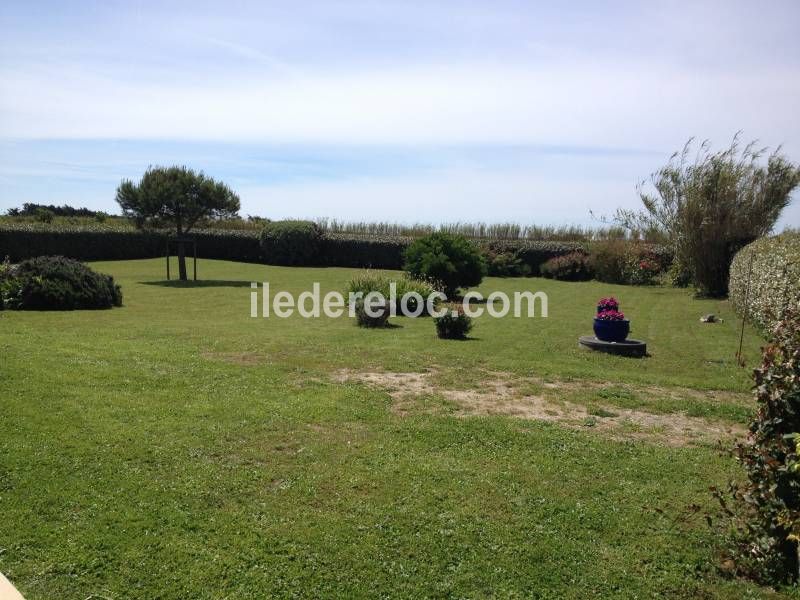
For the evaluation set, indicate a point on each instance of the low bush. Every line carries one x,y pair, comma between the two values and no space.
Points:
370,281
774,281
449,259
290,242
57,283
574,266
455,324
763,512
379,317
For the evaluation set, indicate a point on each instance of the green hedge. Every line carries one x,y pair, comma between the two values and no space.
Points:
19,242
774,282
109,241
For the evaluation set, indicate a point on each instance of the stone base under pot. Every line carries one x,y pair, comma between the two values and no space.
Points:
627,348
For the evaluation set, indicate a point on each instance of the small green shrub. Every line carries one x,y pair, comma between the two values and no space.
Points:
379,317
449,259
764,511
455,324
290,242
774,279
57,283
574,266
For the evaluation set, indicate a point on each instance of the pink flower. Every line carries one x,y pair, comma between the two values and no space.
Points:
611,315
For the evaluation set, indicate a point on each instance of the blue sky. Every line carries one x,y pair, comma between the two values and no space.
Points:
401,111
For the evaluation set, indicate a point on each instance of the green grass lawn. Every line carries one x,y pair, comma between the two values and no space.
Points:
177,448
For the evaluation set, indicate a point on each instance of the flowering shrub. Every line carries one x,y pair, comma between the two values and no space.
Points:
611,315
610,303
642,265
774,279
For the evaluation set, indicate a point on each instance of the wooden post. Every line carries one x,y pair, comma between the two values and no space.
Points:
194,246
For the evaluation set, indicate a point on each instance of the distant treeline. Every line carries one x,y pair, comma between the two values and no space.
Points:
30,209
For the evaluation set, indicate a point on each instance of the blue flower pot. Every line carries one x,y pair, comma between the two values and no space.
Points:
612,331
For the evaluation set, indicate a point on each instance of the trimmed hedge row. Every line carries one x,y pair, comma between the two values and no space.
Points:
110,243
774,280
113,242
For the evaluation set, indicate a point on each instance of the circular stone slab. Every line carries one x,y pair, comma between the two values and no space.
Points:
626,348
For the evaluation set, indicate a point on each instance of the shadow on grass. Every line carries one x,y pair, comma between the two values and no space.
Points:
200,283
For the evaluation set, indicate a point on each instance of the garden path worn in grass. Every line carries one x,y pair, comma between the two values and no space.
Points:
503,394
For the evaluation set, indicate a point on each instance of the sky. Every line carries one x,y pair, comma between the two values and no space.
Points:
404,111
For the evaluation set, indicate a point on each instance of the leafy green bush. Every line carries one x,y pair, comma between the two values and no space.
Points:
455,324
774,280
574,266
764,511
57,283
449,259
290,242
608,259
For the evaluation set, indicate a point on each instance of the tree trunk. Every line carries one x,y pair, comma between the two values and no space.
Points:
182,261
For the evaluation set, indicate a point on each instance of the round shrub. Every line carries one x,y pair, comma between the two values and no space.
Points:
574,266
57,283
290,242
774,281
381,312
449,259
455,324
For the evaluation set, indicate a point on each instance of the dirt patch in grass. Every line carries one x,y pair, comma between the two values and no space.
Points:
507,394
